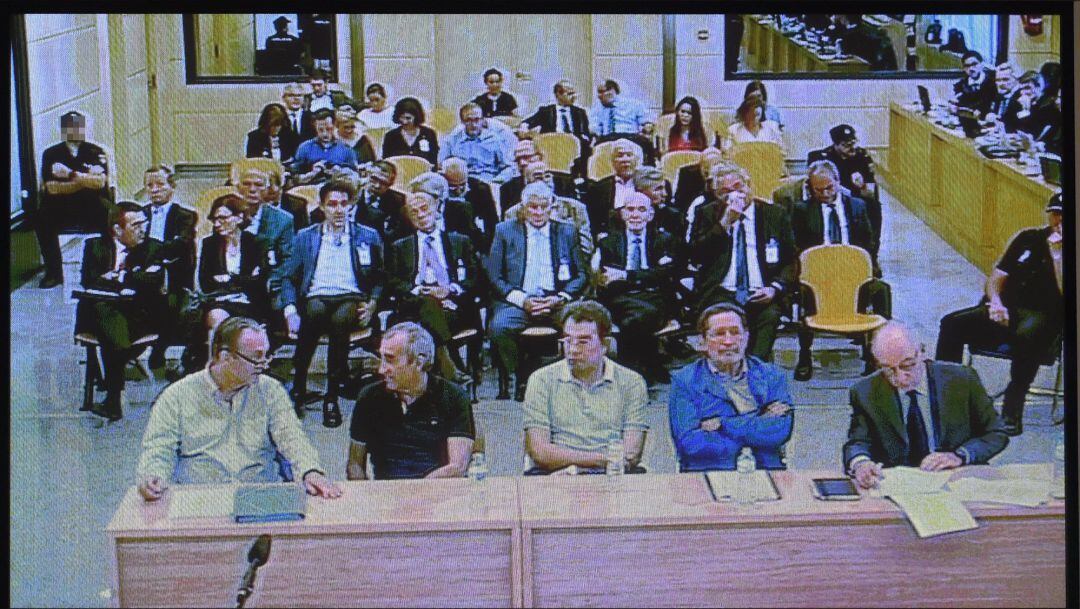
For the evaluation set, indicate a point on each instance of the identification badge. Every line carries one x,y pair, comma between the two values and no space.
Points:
460,270
665,260
772,252
564,271
1024,256
271,258
479,223
424,146
363,252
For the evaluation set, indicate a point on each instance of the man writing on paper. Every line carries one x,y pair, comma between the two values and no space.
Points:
917,412
227,422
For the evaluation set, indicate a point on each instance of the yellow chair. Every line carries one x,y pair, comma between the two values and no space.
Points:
600,161
239,166
309,193
376,136
663,128
672,162
510,121
764,161
442,120
408,167
835,273
202,206
560,150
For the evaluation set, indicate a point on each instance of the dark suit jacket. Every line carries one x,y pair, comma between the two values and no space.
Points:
713,252
390,203
659,278
600,202
1007,109
463,267
506,261
691,185
482,204
547,118
297,208
258,144
179,244
458,217
307,131
962,415
99,255
394,144
252,277
276,234
291,281
977,98
809,226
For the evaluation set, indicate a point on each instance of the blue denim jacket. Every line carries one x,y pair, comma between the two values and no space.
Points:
698,394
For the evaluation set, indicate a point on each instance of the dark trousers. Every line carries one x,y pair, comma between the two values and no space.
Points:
876,294
442,323
504,327
84,211
1030,336
873,211
763,319
639,315
336,317
116,325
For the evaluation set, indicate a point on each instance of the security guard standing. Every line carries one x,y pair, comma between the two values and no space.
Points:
75,176
282,49
855,167
1023,307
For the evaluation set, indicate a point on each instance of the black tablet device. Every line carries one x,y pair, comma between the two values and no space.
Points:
924,99
835,489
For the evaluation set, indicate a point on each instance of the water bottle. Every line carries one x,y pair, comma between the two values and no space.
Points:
477,467
615,456
1057,487
745,465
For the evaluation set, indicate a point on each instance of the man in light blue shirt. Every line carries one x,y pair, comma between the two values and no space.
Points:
614,115
315,157
482,146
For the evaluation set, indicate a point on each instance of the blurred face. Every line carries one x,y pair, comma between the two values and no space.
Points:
251,187
847,148
685,113
377,101
405,119
225,222
582,344
606,96
324,130
402,374
729,183
566,96
132,229
318,87
494,83
335,206
1005,81
537,211
158,187
248,359
1032,89
272,192
293,100
623,161
456,180
379,181
822,188
346,129
725,339
524,154
900,362
972,67
473,120
1053,220
421,211
657,193
636,213
74,133
538,172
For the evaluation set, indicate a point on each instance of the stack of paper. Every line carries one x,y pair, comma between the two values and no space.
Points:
910,481
935,513
196,501
1028,493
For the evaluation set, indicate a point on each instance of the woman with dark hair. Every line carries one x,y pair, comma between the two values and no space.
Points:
495,102
267,140
411,136
345,123
376,115
688,132
750,124
771,113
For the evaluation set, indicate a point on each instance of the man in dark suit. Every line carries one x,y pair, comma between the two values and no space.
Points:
691,181
856,169
747,257
650,182
331,284
866,41
830,216
270,225
274,196
471,198
1006,104
535,267
606,195
380,207
1023,308
638,270
74,176
917,412
172,224
432,275
1037,113
976,90
282,49
299,120
563,117
128,263
525,153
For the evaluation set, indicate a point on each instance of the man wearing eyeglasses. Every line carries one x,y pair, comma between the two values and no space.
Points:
856,169
227,423
976,90
917,412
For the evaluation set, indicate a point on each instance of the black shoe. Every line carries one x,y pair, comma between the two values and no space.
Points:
1013,427
519,392
804,370
109,409
50,282
304,397
504,389
331,415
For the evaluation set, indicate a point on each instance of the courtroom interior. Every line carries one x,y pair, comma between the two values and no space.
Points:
384,309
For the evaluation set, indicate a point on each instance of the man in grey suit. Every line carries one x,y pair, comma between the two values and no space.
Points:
272,226
918,412
535,267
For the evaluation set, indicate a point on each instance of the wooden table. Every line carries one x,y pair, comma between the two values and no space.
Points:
769,50
402,543
974,203
660,540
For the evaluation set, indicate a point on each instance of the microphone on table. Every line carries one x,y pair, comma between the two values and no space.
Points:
257,555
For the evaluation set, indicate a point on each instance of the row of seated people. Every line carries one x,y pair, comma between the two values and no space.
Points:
414,424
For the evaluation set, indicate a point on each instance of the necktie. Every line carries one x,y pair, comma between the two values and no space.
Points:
916,431
610,120
565,114
742,271
431,259
834,224
635,255
296,122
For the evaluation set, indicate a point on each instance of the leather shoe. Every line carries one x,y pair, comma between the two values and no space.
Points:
504,389
50,282
109,409
331,415
519,392
804,371
303,398
1013,427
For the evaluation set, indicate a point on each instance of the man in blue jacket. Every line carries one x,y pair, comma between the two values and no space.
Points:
728,400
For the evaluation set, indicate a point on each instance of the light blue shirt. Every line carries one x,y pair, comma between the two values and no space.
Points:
313,151
538,267
484,153
626,114
333,270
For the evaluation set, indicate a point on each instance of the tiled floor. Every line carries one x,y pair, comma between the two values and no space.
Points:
68,472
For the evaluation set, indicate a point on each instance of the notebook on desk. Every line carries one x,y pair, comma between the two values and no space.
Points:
924,99
269,503
1051,168
724,485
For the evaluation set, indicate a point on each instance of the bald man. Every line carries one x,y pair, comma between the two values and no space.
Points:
918,412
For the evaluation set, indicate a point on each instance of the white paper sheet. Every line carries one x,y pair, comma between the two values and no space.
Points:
1028,493
935,513
195,502
905,480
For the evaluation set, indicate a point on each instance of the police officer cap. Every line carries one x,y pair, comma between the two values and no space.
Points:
282,20
1054,204
842,133
72,117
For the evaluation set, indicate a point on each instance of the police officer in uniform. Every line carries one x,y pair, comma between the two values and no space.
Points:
856,170
1023,307
75,175
282,48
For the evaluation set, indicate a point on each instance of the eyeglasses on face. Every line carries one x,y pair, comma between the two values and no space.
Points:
264,362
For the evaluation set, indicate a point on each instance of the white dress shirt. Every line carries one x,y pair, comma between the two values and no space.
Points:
752,265
158,214
539,267
839,202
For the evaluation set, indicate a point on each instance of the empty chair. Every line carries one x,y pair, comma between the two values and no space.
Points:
408,167
763,160
560,150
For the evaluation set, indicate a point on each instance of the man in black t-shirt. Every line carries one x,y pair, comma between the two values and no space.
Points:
414,424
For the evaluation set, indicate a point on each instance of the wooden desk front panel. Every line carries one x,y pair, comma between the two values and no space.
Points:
1006,562
456,568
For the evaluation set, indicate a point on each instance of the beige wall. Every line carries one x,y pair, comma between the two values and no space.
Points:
131,112
1029,52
